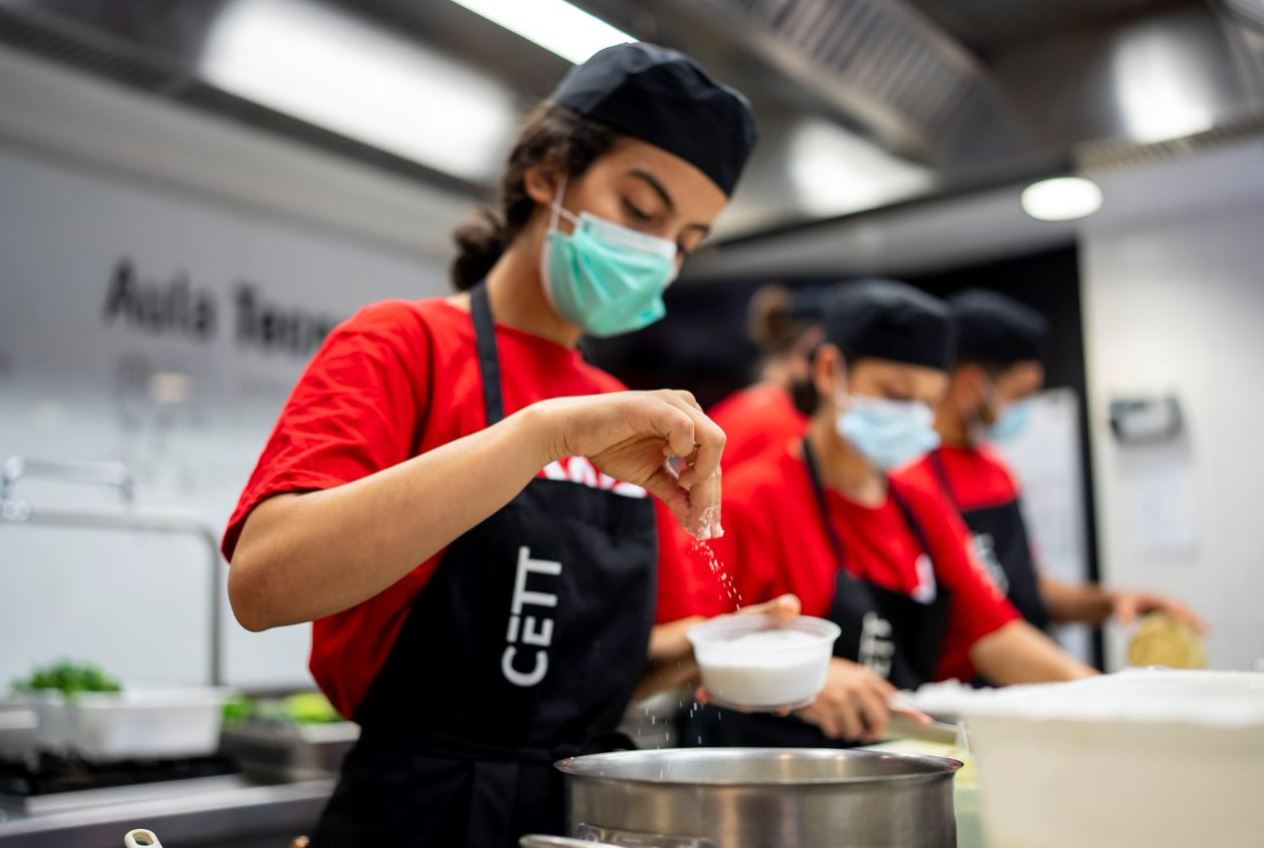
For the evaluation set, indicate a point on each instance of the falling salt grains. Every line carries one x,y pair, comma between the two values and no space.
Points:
705,550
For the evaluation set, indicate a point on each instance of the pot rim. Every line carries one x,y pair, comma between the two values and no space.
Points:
941,768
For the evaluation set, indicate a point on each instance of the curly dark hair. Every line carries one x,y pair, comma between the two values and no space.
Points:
552,131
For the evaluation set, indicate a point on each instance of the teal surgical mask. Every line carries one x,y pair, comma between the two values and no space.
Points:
603,277
890,433
1011,422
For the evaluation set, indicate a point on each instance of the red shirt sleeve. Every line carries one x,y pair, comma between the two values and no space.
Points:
979,608
356,410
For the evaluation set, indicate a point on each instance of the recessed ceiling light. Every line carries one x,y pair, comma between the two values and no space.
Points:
1062,199
339,71
555,25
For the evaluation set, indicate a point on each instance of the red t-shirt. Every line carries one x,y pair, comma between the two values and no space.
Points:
775,543
977,476
396,380
757,420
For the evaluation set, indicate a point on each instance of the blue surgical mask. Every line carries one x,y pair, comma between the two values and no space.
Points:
603,277
890,433
1011,422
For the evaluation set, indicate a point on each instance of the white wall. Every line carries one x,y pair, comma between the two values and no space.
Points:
1173,283
138,605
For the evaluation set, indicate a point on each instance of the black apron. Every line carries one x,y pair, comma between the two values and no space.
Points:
1000,541
524,648
894,635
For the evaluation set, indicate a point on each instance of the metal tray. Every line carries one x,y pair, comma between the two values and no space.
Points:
268,750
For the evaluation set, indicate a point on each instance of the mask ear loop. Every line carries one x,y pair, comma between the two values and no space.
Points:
557,212
554,213
556,208
974,423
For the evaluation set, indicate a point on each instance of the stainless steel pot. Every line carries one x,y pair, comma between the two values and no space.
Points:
762,798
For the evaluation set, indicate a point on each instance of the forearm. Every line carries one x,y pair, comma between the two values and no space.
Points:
301,557
670,661
1076,602
1019,653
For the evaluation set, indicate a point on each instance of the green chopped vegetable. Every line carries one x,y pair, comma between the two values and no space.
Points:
240,709
311,708
300,708
69,678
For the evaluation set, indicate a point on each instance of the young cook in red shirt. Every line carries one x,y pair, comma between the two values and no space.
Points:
998,368
486,449
888,561
765,416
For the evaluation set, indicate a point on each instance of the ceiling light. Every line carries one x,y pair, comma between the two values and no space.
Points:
1062,199
555,25
835,172
336,70
1162,87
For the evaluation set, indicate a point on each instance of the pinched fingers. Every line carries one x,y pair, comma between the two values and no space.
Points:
702,455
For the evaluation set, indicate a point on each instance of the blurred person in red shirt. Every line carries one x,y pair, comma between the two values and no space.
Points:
998,368
886,559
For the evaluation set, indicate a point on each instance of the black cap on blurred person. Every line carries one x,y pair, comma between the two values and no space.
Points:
889,320
994,330
663,97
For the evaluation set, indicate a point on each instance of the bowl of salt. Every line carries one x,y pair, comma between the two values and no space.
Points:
751,662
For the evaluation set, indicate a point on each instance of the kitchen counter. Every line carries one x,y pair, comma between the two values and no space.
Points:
198,813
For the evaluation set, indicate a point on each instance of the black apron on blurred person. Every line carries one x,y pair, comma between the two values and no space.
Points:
1000,541
893,634
524,648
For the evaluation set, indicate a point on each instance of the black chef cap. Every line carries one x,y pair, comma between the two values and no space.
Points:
665,98
994,330
889,320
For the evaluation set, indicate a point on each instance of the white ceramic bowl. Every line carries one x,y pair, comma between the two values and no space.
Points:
750,662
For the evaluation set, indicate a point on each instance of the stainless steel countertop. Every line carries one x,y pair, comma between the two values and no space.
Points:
199,812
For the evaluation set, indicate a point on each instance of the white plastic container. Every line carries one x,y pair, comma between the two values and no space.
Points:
750,662
19,732
141,724
54,722
1159,758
